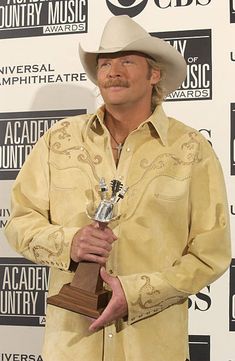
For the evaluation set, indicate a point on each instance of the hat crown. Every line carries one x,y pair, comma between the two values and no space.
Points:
121,31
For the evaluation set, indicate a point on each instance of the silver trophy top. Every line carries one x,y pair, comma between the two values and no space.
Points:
105,210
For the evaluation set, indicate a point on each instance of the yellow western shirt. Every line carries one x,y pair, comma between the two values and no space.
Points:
172,229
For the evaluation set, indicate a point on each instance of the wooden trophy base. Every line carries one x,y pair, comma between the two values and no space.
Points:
85,294
80,301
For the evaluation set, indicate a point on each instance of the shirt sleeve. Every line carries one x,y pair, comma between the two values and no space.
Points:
208,250
29,230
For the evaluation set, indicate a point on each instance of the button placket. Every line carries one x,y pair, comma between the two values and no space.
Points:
109,343
124,163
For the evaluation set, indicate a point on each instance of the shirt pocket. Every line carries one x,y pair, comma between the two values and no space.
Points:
160,191
75,185
171,189
71,193
70,178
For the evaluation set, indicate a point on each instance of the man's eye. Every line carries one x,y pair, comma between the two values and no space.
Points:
103,65
127,61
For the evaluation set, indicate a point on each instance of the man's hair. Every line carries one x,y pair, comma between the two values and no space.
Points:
158,92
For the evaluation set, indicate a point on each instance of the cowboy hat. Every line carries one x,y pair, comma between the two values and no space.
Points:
121,33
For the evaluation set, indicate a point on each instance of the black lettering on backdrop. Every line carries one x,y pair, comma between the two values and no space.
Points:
26,68
207,134
164,4
20,131
23,292
36,74
195,47
201,301
232,210
43,79
19,357
38,18
4,214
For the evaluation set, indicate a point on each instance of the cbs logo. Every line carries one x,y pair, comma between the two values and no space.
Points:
135,7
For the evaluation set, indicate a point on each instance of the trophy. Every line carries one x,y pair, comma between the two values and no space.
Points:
85,294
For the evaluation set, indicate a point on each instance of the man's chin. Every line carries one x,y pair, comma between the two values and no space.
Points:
115,102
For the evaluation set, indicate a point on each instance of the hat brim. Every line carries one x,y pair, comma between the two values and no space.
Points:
158,49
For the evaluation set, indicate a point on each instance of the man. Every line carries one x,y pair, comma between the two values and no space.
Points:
172,235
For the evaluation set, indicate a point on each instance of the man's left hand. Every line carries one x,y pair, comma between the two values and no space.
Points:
117,306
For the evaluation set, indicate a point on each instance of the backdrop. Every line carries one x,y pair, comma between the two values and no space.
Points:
42,81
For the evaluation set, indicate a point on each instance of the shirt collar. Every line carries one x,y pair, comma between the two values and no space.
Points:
97,116
158,119
160,122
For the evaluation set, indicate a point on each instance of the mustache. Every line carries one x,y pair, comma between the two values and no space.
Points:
116,83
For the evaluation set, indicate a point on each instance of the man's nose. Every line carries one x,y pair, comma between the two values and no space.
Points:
115,69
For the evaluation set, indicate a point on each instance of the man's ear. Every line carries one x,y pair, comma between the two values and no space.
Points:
155,77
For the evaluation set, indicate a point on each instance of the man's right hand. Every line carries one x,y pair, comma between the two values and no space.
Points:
92,243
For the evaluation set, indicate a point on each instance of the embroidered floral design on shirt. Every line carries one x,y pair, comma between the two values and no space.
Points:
146,302
84,156
62,134
146,289
162,161
56,239
62,131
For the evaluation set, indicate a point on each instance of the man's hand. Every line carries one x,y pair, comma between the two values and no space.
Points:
92,243
117,306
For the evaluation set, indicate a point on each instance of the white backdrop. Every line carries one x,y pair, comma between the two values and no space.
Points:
42,81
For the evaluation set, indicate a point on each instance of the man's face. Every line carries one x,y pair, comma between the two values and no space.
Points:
125,79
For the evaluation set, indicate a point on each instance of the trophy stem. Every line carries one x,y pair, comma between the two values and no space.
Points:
87,277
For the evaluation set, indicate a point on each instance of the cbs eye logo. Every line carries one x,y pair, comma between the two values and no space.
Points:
126,7
134,7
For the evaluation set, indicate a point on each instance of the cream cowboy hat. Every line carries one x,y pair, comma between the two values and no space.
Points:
121,33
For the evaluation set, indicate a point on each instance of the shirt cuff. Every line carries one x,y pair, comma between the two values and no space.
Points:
55,249
148,294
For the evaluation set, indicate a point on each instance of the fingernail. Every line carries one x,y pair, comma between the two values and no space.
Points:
93,329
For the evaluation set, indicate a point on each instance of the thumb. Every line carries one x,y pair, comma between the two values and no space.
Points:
95,224
105,276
